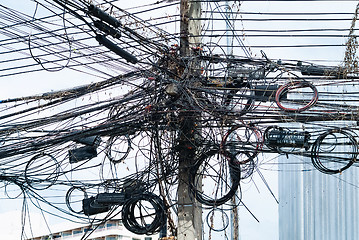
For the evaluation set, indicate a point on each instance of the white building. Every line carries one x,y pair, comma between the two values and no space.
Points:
111,230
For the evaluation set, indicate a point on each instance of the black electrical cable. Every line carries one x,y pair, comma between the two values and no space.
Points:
115,150
199,171
323,157
211,222
40,174
68,198
245,142
134,214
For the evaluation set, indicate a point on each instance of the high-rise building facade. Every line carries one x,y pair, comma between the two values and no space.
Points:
314,205
111,230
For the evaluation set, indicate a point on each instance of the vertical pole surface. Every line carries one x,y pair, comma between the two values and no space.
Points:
229,42
189,212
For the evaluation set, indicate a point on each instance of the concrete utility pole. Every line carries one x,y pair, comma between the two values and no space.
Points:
189,213
229,38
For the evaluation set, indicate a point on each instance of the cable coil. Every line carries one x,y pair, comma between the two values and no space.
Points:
336,157
228,187
138,224
283,90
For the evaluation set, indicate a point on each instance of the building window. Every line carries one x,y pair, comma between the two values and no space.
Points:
66,234
77,232
102,226
111,225
111,238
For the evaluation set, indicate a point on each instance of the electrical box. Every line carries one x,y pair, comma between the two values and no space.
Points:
278,137
90,207
110,198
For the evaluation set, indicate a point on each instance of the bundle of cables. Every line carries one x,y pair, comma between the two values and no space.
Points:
244,140
144,213
42,171
334,151
220,171
286,88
